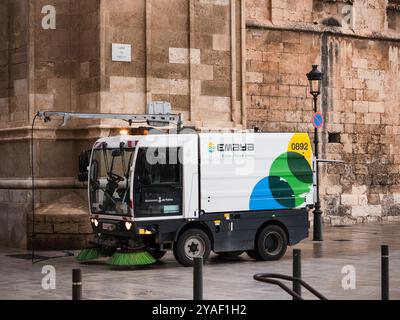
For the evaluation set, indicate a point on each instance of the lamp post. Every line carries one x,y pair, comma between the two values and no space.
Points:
315,79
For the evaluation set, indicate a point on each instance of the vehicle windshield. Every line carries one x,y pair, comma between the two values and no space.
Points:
109,181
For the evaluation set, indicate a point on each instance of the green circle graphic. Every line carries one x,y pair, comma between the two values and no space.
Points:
282,192
294,169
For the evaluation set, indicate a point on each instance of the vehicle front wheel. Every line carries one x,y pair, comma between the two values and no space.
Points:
191,244
253,254
271,243
157,253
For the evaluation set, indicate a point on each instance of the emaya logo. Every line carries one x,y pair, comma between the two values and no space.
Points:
230,147
212,147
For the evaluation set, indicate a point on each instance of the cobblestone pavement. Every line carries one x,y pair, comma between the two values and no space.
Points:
322,264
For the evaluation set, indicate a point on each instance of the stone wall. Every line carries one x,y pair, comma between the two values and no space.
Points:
14,111
365,114
366,15
182,53
186,52
44,70
123,84
13,62
360,100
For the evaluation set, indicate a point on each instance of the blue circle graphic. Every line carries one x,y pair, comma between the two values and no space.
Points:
262,198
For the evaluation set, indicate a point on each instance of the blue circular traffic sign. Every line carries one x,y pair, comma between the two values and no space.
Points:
318,120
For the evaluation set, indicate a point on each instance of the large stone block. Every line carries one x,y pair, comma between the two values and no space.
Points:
135,102
360,106
4,235
178,87
349,199
20,87
255,77
215,2
44,101
122,84
112,102
221,42
17,224
181,55
359,190
360,63
372,118
376,107
20,196
215,88
203,72
160,86
365,211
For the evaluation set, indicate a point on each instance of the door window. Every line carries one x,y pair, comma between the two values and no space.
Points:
158,182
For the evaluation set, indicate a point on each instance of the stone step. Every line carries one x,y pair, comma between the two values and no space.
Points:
62,224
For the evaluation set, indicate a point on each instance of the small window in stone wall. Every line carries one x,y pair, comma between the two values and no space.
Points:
393,14
333,13
334,137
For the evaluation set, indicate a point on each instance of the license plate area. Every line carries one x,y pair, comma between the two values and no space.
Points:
109,226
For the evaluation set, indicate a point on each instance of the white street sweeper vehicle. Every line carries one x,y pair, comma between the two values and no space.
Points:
193,193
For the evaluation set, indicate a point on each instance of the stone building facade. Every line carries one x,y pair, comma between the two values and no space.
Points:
356,44
186,52
224,64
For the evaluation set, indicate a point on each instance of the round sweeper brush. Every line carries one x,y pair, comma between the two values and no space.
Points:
132,257
91,254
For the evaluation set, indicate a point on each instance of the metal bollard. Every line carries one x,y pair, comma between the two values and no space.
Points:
76,284
385,272
198,278
296,271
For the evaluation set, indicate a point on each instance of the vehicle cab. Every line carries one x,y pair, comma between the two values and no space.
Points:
141,179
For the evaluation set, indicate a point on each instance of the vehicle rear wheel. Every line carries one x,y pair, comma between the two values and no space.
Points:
271,243
232,254
192,243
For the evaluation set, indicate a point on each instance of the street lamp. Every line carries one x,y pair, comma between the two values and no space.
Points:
315,79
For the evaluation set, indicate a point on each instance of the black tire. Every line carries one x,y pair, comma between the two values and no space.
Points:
157,253
232,254
271,243
253,254
190,244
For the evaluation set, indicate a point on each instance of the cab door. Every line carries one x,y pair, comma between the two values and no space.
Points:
158,183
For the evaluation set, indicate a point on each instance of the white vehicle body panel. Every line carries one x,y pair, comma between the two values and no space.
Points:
239,171
232,165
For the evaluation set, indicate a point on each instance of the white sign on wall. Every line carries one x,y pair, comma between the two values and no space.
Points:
121,52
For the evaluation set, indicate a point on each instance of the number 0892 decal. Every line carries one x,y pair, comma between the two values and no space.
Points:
300,146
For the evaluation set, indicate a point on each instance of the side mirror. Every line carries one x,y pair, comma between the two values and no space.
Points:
94,172
83,164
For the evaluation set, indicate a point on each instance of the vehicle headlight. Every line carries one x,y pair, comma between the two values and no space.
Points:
128,225
95,222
